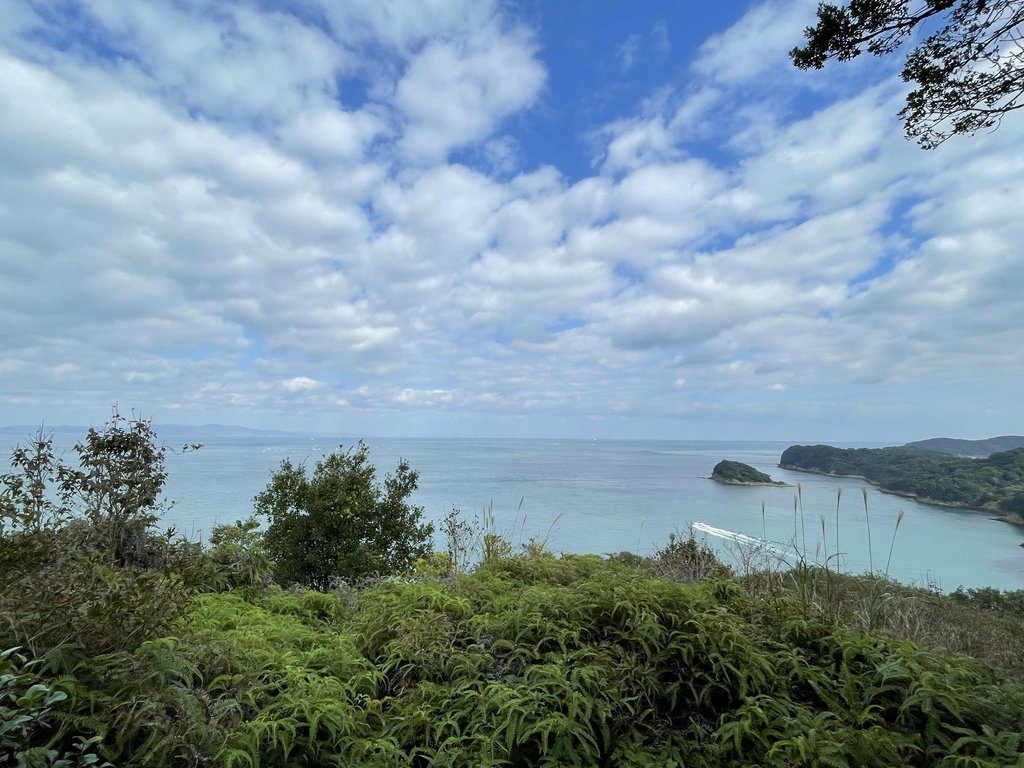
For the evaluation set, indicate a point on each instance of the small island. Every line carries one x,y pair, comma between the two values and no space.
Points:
738,473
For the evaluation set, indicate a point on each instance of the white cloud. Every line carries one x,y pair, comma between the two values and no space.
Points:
208,227
301,384
671,191
758,43
331,134
404,25
452,95
628,52
502,154
634,143
655,44
660,38
228,60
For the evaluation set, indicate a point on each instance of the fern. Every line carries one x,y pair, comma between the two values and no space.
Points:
534,661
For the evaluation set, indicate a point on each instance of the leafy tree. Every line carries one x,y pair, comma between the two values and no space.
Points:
339,523
27,501
112,498
117,486
81,562
967,73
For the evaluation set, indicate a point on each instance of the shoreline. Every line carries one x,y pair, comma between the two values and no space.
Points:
772,484
993,514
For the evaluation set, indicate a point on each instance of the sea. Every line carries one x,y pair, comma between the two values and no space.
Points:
608,496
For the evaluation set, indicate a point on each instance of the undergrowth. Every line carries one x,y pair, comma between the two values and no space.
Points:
538,661
146,651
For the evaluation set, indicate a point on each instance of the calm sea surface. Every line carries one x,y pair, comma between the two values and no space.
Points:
608,496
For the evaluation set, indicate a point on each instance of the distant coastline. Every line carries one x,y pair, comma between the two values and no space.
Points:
1012,518
993,484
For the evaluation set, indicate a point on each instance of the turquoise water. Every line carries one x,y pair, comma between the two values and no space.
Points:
608,496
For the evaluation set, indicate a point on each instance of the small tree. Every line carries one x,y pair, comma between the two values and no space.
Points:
339,523
117,487
81,560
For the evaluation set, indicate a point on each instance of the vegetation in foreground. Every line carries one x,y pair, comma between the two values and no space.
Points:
995,483
478,656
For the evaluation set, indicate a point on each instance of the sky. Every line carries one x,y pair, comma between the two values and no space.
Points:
588,218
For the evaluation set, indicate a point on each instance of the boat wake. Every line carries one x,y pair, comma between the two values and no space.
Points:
740,538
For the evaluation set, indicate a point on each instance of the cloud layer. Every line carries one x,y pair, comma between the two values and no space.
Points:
322,216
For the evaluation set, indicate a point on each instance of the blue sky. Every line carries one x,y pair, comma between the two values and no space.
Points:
461,217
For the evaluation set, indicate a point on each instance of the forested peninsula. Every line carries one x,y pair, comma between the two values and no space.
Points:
995,483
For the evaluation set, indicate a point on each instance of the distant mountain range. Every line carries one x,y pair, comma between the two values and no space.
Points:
975,449
167,431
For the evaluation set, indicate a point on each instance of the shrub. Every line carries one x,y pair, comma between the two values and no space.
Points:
238,557
687,559
535,661
340,524
26,710
80,560
1009,602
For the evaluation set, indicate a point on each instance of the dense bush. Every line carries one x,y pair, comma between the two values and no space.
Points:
1006,602
27,720
542,661
339,524
81,562
238,557
1013,504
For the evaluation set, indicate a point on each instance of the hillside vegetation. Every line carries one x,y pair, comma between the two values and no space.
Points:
528,661
969,448
128,647
994,483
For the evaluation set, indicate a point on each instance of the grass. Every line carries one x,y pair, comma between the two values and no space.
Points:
984,624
